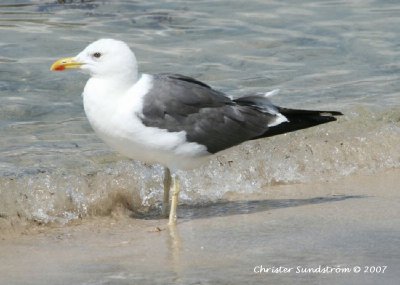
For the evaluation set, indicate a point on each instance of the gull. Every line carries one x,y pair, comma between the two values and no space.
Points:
172,119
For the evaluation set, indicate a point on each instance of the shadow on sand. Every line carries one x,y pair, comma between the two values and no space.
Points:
230,208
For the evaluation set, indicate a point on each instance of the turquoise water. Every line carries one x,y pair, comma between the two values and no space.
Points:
341,55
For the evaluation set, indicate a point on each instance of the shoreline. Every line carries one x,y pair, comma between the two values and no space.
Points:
339,224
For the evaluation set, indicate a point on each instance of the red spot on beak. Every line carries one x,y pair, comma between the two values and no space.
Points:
60,68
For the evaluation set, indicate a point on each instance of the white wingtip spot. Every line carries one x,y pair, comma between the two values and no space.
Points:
279,119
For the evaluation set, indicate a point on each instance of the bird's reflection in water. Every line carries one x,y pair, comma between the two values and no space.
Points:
174,245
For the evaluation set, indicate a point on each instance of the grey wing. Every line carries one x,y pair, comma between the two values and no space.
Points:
180,103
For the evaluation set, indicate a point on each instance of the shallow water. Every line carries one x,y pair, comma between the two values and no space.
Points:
341,55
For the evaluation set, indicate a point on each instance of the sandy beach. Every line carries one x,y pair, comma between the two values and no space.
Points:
334,227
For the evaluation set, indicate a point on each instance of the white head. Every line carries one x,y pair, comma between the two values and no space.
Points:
105,58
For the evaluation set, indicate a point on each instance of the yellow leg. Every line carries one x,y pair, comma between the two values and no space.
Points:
174,200
167,186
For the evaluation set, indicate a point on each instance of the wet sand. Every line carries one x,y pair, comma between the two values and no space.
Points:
335,224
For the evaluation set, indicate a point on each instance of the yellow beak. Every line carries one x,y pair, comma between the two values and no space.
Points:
65,63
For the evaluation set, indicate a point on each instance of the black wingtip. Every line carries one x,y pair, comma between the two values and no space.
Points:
301,119
331,113
299,112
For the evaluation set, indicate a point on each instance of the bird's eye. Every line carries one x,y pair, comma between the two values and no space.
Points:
97,55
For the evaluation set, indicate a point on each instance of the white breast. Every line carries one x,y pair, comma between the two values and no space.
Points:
114,115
